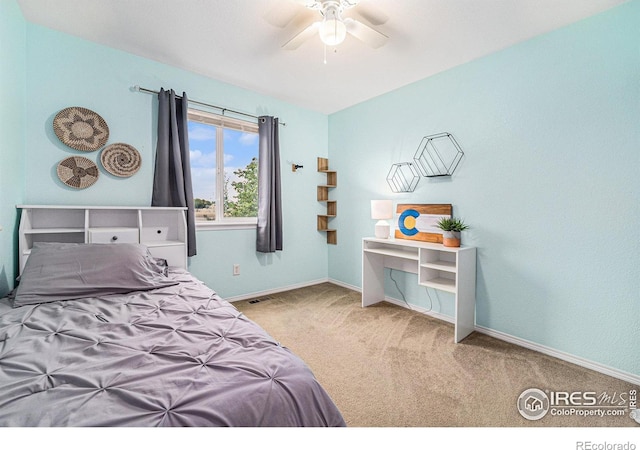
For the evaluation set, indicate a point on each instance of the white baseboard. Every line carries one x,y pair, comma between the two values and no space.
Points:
290,287
345,285
578,361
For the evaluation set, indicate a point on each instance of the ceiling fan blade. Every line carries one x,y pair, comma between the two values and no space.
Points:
372,14
365,33
297,40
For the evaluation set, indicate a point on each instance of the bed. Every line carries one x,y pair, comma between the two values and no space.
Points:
107,335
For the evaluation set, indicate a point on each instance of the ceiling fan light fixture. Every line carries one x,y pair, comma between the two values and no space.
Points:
333,32
332,29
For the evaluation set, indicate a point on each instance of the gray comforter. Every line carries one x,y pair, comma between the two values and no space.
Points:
175,356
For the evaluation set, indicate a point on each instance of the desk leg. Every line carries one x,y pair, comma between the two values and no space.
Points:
465,319
372,278
466,296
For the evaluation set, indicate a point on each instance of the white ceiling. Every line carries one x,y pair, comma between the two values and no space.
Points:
236,41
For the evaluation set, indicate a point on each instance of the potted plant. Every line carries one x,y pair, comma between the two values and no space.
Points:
451,228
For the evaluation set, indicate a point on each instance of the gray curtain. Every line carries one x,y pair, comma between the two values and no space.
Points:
172,176
269,231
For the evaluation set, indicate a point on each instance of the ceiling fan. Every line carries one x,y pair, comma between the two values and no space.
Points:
332,27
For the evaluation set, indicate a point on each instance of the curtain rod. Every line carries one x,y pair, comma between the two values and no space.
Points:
151,91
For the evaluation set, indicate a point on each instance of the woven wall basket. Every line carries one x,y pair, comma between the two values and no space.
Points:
81,128
78,172
121,160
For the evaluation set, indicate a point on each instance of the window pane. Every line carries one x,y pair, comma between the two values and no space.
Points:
202,151
240,173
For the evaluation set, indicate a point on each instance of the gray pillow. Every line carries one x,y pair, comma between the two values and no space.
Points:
56,272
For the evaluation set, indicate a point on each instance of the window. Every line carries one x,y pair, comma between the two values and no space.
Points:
224,169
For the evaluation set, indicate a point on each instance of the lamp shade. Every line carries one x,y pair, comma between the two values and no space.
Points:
381,209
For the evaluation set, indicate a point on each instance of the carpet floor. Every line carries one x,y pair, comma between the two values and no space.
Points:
388,366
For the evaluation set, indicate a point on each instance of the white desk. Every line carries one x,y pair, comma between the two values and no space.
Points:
450,269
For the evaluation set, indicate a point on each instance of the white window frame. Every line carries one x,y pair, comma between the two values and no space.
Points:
222,122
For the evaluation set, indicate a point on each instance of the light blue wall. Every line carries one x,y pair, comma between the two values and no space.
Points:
550,183
66,71
550,128
12,131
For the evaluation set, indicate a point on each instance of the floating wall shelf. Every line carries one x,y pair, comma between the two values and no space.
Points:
332,205
403,177
438,155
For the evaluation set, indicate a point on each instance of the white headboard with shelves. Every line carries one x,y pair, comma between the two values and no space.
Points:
162,230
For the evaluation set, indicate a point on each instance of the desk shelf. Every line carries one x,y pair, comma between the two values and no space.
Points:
443,284
446,266
449,269
395,253
438,269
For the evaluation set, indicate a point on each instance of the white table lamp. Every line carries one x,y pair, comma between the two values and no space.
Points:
382,210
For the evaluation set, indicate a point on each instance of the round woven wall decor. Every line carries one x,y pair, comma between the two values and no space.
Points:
121,160
78,172
81,128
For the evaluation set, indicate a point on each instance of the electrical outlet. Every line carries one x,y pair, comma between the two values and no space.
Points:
236,269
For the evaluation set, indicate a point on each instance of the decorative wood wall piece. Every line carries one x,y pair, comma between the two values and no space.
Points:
417,222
